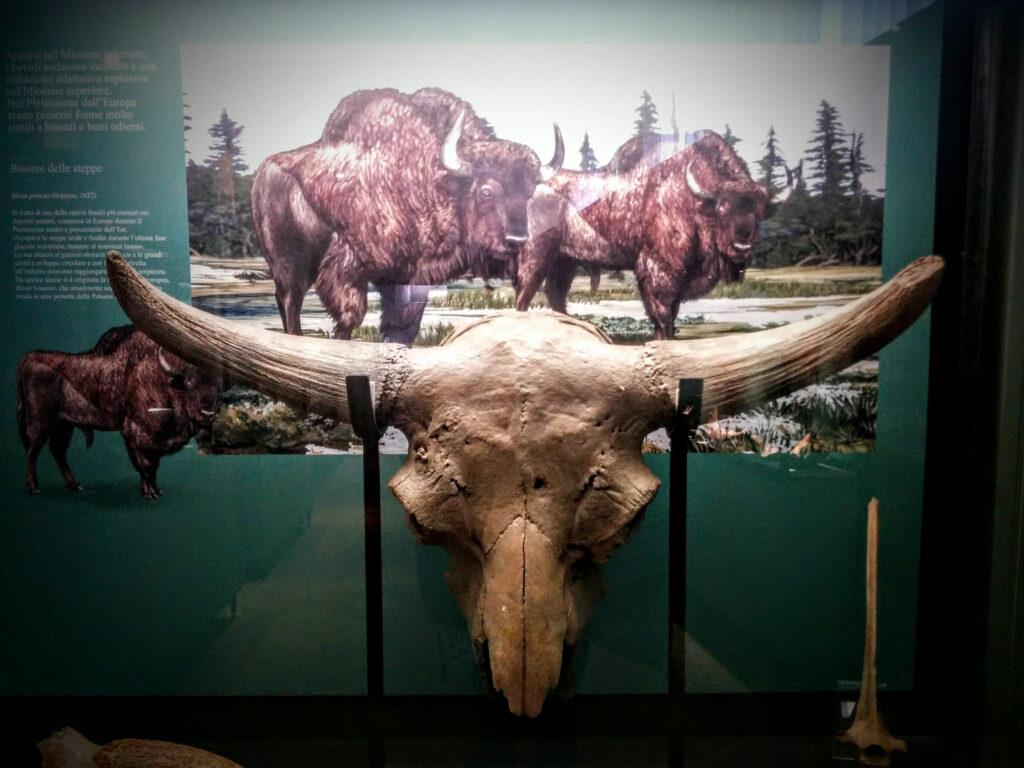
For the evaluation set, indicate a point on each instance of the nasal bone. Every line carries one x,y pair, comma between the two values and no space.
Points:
524,615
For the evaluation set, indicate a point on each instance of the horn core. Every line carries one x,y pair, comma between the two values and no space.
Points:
308,373
751,368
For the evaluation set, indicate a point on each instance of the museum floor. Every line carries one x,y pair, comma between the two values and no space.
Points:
406,732
596,752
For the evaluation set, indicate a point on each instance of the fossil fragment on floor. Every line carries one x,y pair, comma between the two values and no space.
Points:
67,748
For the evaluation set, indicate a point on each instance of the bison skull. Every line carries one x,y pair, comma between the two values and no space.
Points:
524,434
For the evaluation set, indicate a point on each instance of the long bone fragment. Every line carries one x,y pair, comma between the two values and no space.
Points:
867,731
525,433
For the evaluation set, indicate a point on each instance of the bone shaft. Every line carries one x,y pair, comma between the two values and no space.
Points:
868,702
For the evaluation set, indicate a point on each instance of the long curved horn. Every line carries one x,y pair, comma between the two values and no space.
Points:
450,153
309,373
548,171
783,194
691,181
751,368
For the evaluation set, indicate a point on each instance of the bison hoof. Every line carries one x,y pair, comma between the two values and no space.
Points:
159,491
76,487
150,496
34,491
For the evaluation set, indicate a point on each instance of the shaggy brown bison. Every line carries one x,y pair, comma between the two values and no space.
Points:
125,383
399,189
682,225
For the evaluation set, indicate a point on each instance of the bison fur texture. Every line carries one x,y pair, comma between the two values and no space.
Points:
682,225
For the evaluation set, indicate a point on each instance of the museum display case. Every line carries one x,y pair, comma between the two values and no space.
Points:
633,315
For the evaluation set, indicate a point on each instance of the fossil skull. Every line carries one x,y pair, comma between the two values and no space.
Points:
525,434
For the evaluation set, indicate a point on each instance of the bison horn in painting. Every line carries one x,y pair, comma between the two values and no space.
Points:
547,172
525,433
784,194
695,187
166,367
459,167
450,153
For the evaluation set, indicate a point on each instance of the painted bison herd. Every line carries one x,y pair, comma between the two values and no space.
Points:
417,189
407,190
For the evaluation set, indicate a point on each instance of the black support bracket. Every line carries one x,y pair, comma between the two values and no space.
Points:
687,419
364,422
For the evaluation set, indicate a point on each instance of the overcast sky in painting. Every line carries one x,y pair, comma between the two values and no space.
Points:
283,93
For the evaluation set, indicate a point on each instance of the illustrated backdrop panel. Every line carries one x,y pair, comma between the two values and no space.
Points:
817,111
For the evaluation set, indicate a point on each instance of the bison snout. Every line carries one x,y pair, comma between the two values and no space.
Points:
204,419
516,229
742,244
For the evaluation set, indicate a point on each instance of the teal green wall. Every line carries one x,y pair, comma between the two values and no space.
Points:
246,577
104,593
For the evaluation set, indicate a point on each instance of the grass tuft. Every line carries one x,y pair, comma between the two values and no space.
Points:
475,298
773,289
429,335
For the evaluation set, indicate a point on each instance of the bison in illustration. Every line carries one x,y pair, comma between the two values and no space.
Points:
399,189
127,383
682,225
525,434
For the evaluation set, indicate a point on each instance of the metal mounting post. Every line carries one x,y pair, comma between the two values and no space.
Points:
364,422
687,419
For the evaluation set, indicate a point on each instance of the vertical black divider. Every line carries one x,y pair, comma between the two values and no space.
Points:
687,419
364,422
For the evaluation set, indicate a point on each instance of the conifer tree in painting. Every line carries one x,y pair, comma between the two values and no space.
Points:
729,137
588,161
646,123
220,216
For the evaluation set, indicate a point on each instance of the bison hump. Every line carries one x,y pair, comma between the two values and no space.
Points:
351,109
112,339
627,156
370,116
440,108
